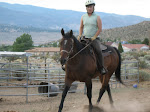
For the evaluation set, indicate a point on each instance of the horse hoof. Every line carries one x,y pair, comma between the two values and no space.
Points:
112,106
97,103
90,108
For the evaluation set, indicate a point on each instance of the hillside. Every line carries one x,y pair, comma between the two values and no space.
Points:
137,31
14,28
39,17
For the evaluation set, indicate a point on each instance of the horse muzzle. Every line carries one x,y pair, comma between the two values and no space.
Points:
63,61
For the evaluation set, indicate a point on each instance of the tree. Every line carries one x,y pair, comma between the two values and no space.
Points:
145,41
22,43
135,41
120,48
5,48
56,57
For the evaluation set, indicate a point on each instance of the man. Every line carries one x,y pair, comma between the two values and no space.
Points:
91,26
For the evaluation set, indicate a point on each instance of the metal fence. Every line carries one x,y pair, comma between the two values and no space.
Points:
27,76
30,76
129,73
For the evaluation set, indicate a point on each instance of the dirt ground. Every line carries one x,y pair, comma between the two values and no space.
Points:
125,100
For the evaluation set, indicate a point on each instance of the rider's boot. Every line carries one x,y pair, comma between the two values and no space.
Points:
100,63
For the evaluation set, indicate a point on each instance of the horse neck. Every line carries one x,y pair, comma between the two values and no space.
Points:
76,49
77,46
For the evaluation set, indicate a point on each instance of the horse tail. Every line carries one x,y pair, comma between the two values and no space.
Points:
118,70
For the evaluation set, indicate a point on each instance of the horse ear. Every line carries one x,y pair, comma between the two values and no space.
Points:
62,32
71,33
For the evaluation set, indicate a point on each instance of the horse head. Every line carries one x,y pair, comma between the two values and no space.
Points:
66,46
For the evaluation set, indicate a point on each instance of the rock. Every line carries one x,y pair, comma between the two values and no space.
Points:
72,89
52,89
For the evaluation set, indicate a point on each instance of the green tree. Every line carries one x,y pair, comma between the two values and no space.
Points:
120,48
22,43
145,41
55,44
56,57
135,41
5,48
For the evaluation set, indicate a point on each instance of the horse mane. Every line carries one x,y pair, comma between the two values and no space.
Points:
79,45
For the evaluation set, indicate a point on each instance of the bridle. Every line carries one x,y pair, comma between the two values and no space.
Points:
68,52
71,50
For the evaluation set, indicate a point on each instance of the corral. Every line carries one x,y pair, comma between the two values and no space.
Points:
15,91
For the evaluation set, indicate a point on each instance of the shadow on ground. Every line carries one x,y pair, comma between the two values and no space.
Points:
95,109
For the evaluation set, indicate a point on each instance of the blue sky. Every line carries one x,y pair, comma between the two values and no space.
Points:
123,7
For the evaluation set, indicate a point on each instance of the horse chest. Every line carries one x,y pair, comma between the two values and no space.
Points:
78,75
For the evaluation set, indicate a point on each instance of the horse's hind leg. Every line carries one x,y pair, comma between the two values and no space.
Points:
89,93
109,94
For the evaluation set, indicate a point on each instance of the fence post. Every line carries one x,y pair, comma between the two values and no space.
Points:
27,77
48,81
125,70
138,70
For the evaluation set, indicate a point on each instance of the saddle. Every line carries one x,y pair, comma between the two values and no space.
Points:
104,48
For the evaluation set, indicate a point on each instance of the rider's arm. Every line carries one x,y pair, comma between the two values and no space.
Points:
81,28
99,23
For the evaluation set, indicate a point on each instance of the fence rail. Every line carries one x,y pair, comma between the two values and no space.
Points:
29,75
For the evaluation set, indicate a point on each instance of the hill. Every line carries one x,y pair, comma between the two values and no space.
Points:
39,17
14,28
137,31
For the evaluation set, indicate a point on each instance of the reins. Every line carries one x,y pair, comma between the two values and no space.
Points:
78,52
75,55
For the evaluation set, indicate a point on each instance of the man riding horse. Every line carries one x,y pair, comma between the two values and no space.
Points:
91,25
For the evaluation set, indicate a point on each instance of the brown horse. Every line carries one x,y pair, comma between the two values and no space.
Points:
80,65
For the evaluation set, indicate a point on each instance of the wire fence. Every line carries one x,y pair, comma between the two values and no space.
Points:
39,79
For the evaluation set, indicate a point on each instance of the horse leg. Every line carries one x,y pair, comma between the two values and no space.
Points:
89,93
103,88
109,94
101,92
65,91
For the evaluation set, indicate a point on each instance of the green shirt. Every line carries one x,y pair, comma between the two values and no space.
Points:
90,25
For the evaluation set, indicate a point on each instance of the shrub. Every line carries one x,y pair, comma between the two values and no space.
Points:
148,65
143,64
141,58
147,57
144,76
134,54
142,54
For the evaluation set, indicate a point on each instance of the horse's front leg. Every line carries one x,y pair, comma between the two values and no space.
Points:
89,93
65,91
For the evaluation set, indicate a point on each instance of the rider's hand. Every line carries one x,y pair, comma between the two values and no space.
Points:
79,37
89,40
93,38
